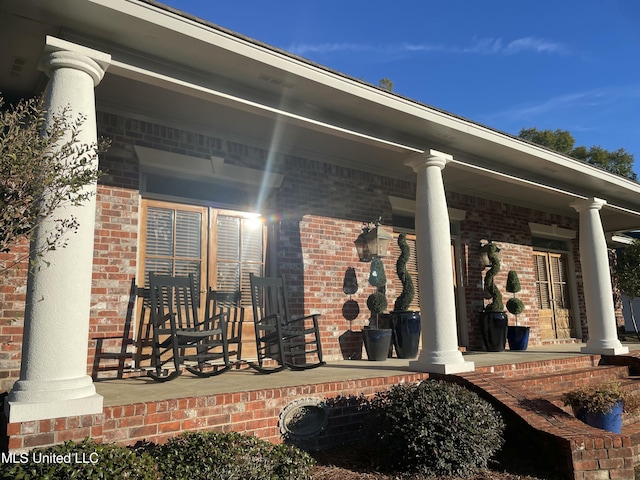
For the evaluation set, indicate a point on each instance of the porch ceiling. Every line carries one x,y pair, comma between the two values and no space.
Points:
270,99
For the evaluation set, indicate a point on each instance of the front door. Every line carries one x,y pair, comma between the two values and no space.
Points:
553,295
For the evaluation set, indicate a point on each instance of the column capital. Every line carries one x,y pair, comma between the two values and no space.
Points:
59,53
430,158
585,204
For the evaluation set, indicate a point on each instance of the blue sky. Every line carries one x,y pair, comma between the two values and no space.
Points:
507,64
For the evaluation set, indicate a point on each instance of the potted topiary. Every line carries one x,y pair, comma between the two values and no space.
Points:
493,319
377,340
602,406
517,336
406,323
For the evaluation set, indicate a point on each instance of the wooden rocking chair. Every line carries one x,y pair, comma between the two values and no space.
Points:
227,304
179,335
291,342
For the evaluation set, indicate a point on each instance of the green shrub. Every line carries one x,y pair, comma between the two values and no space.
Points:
207,455
433,428
85,460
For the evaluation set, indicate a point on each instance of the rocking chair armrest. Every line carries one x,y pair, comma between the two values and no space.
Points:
273,316
313,316
159,321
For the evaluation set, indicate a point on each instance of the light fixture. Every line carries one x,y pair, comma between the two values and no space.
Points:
372,242
362,247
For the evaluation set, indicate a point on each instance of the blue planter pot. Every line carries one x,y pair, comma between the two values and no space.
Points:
377,343
611,421
518,337
406,333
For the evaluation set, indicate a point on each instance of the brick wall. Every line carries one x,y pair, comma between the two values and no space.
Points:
315,216
12,296
251,412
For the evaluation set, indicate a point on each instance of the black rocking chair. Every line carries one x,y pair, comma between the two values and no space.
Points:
178,334
291,342
227,304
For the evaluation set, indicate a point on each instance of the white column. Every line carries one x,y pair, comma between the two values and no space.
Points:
53,376
440,352
596,280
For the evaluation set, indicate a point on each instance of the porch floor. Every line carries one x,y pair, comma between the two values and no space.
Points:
143,389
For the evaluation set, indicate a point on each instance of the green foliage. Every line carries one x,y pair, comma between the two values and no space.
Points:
513,282
386,84
377,302
515,306
628,270
102,461
433,428
192,456
559,140
601,399
403,302
618,161
207,455
377,277
43,167
490,288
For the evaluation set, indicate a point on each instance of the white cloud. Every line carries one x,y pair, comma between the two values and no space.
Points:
481,46
598,97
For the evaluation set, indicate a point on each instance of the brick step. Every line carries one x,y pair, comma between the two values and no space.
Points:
570,379
537,367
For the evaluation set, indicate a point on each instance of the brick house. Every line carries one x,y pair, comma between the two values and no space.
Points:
229,156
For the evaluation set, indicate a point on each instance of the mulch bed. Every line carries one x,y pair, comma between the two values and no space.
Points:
350,463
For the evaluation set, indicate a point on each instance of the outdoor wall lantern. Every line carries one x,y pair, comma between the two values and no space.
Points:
372,242
484,254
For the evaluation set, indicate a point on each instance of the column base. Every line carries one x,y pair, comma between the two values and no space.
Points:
610,349
442,368
24,412
44,399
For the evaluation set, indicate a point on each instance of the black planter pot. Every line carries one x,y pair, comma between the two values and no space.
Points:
518,337
406,333
493,326
377,342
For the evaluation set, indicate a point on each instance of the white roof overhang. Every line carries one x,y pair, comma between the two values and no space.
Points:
178,70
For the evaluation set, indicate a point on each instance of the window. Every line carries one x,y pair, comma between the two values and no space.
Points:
221,247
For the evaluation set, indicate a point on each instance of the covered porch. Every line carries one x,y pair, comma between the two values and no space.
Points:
329,399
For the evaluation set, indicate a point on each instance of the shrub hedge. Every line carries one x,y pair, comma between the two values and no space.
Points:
192,456
433,428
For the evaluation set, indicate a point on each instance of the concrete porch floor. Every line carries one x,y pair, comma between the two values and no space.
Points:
144,389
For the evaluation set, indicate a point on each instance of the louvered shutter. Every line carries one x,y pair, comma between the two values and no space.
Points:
240,251
559,281
542,281
173,241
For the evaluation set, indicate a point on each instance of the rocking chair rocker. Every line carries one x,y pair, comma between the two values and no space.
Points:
291,342
179,336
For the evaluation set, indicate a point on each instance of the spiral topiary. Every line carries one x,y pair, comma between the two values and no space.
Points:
404,300
490,288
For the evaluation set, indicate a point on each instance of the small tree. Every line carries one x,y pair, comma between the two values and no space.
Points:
43,167
377,302
628,273
491,290
403,302
514,304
